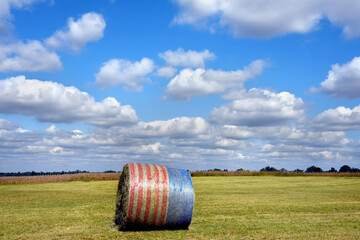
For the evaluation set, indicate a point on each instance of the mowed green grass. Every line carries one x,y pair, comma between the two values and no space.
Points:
225,208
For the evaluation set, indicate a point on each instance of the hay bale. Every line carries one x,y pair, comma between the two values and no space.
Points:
153,197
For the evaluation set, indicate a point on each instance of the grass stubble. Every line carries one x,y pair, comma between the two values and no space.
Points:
237,207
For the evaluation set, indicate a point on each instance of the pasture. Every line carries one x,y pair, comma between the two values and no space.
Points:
226,207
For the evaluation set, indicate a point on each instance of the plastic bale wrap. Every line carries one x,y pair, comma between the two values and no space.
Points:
153,197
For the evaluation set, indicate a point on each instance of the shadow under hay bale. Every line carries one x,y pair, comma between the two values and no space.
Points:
153,197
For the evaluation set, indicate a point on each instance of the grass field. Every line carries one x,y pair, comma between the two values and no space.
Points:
238,207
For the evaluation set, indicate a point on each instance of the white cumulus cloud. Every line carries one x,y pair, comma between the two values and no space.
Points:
52,102
175,128
88,28
343,81
5,11
31,56
178,142
345,14
187,59
179,127
166,71
189,83
339,119
7,125
259,107
37,56
268,18
122,71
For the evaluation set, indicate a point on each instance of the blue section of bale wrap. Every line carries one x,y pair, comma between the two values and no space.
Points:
181,198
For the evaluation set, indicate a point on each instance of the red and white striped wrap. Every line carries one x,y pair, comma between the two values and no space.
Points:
149,194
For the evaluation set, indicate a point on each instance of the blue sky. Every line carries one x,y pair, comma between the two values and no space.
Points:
185,83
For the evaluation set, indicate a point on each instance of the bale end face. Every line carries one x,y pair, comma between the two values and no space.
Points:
122,199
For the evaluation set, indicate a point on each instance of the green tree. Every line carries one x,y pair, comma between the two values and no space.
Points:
268,169
345,168
313,169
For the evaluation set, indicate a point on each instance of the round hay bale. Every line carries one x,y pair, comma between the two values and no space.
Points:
153,197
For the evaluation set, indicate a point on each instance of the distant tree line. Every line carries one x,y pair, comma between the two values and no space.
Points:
312,169
217,170
272,169
33,173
